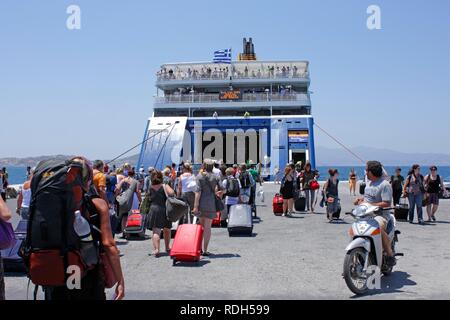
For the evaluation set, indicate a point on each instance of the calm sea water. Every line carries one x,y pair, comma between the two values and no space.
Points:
17,175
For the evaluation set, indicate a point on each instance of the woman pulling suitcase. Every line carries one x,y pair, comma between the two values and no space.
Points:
157,213
207,200
331,193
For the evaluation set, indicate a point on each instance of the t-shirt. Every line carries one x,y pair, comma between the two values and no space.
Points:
99,181
254,173
378,191
397,182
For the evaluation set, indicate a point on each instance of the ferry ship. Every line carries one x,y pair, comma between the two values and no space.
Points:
244,111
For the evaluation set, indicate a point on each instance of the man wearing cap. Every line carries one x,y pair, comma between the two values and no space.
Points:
397,185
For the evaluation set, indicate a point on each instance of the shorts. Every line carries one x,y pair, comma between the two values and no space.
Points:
433,198
382,221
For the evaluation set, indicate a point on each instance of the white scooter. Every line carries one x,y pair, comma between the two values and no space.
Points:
365,253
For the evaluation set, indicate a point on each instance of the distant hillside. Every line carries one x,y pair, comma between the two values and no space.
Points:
341,157
33,161
324,156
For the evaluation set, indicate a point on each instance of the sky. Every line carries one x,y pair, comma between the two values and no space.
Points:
90,91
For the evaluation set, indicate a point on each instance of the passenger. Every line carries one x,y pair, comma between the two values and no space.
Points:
414,190
276,174
3,184
209,187
308,175
128,197
232,189
24,198
352,178
173,172
187,187
140,177
5,215
216,170
397,181
93,282
378,193
433,186
246,183
331,192
157,219
100,179
148,180
287,191
235,169
166,176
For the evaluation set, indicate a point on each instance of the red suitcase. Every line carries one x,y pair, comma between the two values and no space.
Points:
187,244
135,225
217,222
277,205
135,219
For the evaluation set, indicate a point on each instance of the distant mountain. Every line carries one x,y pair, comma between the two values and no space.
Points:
334,157
33,161
324,156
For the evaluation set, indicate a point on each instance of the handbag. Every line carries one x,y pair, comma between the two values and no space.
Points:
425,200
110,277
7,238
314,185
175,208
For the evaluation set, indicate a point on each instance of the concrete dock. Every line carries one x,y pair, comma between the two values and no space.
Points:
287,258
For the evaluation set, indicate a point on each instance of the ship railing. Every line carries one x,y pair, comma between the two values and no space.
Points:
224,75
246,97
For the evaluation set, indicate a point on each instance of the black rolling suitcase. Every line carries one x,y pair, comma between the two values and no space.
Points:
12,262
300,202
401,210
362,188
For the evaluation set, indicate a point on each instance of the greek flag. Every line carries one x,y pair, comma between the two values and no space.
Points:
222,56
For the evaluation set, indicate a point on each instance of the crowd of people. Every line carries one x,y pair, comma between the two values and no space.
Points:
269,71
115,192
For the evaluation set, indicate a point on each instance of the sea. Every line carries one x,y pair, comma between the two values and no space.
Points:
17,175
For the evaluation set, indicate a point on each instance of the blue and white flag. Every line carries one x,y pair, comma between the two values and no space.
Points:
222,56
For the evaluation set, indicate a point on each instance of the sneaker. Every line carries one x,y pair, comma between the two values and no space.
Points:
391,261
410,221
421,222
434,218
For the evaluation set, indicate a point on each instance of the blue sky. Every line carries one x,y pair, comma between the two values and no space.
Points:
90,91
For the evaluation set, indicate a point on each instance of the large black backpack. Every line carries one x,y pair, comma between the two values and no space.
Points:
244,179
52,245
232,187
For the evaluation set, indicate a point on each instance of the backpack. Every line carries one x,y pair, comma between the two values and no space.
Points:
51,244
244,179
232,187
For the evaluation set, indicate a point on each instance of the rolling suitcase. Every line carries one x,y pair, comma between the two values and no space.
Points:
135,225
300,203
187,244
362,188
277,205
240,220
401,210
12,262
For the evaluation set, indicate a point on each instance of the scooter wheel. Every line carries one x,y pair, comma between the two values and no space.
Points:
355,259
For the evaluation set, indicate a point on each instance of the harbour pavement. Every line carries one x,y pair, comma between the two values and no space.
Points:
286,259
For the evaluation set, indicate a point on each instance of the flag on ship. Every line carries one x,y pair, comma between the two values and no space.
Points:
222,56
